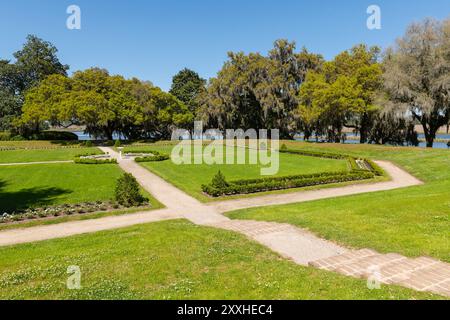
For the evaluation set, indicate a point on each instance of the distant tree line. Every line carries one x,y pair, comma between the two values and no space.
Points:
380,95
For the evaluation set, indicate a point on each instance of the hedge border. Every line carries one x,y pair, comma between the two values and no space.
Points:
298,181
157,156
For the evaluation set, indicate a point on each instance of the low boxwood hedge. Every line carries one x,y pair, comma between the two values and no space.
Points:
156,155
284,183
298,181
317,154
154,158
94,161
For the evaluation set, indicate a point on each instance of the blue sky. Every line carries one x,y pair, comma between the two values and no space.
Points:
153,39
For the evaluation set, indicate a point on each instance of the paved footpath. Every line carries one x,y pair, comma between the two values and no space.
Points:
296,244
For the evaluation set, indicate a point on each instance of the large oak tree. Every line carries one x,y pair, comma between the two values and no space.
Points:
417,74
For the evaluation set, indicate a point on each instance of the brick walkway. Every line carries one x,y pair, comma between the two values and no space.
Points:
421,274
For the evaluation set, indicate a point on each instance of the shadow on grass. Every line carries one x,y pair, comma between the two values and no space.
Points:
18,201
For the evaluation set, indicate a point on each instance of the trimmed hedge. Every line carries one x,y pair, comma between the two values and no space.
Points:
317,154
376,169
282,184
94,161
291,177
298,181
157,156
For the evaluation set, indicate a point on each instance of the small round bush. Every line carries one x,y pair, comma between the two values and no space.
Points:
127,191
88,143
117,144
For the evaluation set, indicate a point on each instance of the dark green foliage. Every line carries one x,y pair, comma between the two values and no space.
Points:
37,60
55,136
187,85
285,183
156,155
155,158
94,161
375,168
220,187
219,181
88,143
128,192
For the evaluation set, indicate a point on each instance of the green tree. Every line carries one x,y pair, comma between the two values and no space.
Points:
105,105
37,60
417,75
187,86
256,91
342,94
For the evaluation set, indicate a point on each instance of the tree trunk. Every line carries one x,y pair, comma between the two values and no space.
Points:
430,135
363,131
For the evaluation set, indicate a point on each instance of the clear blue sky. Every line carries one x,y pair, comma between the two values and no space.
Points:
153,39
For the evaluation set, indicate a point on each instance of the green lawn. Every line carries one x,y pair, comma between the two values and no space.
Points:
49,184
171,260
413,221
59,154
190,178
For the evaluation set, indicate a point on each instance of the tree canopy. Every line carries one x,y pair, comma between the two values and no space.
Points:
37,60
105,105
187,86
256,91
417,74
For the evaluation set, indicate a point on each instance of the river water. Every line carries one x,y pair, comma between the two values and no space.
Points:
438,145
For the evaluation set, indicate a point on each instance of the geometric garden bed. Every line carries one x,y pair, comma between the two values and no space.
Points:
360,169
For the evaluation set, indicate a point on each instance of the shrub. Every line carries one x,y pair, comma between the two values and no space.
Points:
18,138
117,144
284,148
375,168
94,161
154,158
156,155
5,136
282,183
127,191
219,181
55,136
88,143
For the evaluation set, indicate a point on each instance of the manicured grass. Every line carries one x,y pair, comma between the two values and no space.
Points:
48,184
39,144
60,154
190,178
413,221
171,260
